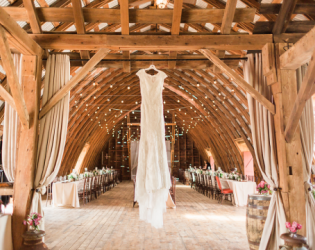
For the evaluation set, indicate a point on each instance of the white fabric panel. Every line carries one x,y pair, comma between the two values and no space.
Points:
5,232
10,130
53,129
307,141
263,134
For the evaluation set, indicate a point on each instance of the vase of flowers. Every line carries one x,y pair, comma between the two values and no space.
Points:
33,220
293,228
263,188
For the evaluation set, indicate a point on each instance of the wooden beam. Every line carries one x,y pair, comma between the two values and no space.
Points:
79,24
78,16
300,101
26,155
300,53
239,80
151,16
300,8
32,16
228,17
74,81
151,42
284,16
177,16
124,17
18,36
13,79
6,96
6,188
293,27
226,26
138,124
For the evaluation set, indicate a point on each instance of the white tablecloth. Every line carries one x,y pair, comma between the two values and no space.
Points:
5,232
241,190
66,194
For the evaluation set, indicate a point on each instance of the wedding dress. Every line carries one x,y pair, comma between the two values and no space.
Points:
153,176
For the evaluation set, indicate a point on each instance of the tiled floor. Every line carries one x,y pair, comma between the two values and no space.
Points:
110,222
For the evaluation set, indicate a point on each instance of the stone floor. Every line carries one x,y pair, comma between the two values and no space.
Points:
110,222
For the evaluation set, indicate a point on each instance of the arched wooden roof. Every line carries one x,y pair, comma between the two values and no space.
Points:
216,104
213,102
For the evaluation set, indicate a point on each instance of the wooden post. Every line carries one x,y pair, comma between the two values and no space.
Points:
173,144
289,154
24,177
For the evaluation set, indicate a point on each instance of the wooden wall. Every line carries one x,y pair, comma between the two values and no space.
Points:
115,150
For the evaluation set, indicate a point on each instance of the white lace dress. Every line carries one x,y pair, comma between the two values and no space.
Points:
153,177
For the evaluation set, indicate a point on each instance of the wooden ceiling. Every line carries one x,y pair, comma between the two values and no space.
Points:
208,104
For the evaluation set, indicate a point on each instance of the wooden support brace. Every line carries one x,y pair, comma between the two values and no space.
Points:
239,80
33,17
300,101
18,36
74,81
13,79
269,65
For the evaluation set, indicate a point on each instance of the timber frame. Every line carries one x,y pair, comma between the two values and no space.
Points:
199,44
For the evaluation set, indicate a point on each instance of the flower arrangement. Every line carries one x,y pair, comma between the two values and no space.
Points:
95,172
33,220
199,171
263,188
294,227
73,177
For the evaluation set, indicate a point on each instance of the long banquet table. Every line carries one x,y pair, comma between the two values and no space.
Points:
65,194
241,190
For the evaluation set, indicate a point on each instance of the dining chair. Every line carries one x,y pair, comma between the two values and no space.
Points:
93,187
223,192
191,180
48,193
173,189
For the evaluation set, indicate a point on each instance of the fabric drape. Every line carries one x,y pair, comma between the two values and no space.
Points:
53,129
134,152
307,141
10,130
263,139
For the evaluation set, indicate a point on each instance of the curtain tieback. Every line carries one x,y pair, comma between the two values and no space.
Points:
308,186
276,189
40,189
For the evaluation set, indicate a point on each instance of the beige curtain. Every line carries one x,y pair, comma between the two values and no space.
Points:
10,130
53,129
307,141
263,134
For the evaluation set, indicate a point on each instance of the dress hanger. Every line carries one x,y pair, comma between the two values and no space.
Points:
152,66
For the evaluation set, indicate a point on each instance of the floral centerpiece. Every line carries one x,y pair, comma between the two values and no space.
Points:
219,173
263,188
95,172
73,177
33,220
198,171
294,227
